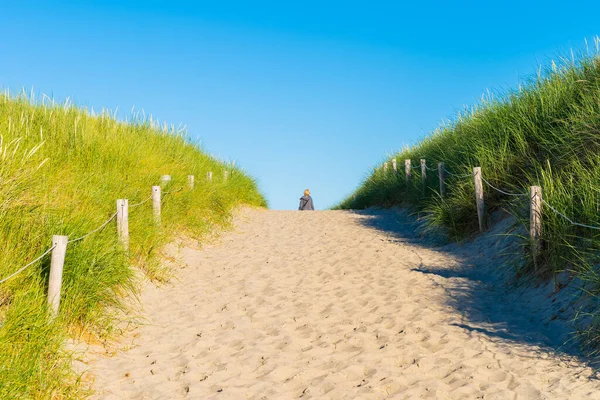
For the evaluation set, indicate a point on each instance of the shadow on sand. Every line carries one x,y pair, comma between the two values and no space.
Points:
480,279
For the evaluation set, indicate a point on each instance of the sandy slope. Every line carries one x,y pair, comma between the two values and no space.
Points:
334,304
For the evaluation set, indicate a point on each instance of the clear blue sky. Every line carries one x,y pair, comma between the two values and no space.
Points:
306,94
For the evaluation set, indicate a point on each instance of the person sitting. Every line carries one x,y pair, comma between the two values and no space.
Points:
306,202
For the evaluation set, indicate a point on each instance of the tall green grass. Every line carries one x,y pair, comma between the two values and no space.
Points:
546,133
61,170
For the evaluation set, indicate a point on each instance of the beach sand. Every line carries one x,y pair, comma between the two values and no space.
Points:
339,304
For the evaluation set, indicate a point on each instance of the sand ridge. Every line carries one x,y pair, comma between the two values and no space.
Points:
330,305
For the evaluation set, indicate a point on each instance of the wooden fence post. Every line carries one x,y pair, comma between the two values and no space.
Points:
423,176
407,171
191,181
394,167
385,169
225,175
165,180
156,200
57,262
209,176
442,175
479,198
123,222
535,222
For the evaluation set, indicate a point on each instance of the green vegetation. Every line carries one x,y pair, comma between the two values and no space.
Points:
546,133
61,170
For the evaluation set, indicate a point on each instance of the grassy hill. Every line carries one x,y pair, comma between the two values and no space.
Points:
546,133
61,171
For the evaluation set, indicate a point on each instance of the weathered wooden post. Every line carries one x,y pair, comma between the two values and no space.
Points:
385,169
156,200
225,175
191,181
165,180
423,176
394,167
209,176
57,262
442,175
407,171
535,222
479,198
123,222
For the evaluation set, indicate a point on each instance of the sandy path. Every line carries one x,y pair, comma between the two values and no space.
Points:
324,305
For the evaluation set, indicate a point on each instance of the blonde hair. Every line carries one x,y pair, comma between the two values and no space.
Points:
307,192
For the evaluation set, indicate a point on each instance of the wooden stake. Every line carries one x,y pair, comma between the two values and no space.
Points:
57,262
535,222
225,175
156,200
165,179
442,175
123,222
479,197
209,176
394,167
407,171
423,176
191,181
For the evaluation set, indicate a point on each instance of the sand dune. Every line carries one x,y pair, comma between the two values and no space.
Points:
335,304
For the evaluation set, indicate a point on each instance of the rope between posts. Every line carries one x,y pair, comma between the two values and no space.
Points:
515,195
569,219
25,267
502,191
95,230
457,175
141,202
175,191
113,216
546,203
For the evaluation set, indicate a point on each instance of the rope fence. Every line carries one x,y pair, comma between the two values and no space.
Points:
457,175
175,191
569,219
28,265
59,242
502,191
95,230
535,195
141,202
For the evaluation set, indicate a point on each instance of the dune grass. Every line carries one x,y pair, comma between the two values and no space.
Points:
546,133
61,171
